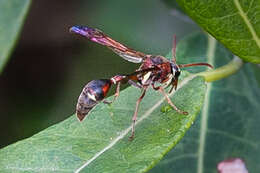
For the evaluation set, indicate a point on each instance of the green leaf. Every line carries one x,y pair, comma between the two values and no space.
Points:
234,23
100,143
228,125
12,15
256,69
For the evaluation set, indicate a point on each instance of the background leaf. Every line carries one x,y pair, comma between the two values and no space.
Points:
234,23
227,127
12,14
70,144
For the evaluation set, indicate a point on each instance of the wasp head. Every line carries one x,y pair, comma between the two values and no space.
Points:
175,70
176,73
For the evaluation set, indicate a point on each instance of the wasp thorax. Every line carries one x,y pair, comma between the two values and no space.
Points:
94,92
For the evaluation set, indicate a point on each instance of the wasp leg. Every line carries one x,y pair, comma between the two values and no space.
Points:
115,95
117,92
134,84
154,87
107,102
174,84
170,102
171,89
135,114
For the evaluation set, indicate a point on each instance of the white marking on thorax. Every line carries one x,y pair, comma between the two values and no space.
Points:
146,77
113,80
92,97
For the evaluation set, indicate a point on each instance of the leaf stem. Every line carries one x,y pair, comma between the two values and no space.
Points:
222,72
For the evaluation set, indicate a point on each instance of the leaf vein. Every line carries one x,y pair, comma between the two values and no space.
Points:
247,22
204,115
243,140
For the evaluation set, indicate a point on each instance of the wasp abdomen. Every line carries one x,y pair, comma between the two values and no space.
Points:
94,92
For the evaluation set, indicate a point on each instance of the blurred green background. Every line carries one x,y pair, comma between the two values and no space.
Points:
49,66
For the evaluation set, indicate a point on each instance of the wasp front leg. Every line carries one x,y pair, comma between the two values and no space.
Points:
171,103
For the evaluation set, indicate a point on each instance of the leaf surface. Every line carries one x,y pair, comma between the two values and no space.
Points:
12,15
235,23
228,125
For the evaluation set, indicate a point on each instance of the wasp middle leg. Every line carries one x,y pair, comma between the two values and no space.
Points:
171,103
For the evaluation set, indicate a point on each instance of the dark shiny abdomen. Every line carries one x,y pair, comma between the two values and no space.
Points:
95,89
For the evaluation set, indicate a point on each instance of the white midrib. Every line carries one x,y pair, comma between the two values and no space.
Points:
247,22
126,131
204,116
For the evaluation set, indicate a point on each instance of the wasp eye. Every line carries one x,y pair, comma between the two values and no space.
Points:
177,73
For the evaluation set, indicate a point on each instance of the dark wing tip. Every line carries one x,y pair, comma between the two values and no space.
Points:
82,30
76,29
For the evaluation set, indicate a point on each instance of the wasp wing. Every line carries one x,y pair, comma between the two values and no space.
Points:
101,38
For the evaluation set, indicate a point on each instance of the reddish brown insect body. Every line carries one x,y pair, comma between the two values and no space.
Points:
154,70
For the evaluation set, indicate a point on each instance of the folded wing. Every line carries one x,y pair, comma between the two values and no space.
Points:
98,36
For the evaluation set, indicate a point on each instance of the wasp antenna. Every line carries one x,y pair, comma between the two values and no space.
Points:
195,64
174,49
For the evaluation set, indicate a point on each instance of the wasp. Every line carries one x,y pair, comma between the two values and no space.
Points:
155,71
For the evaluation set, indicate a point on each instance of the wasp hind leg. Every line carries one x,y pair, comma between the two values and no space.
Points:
116,95
135,114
